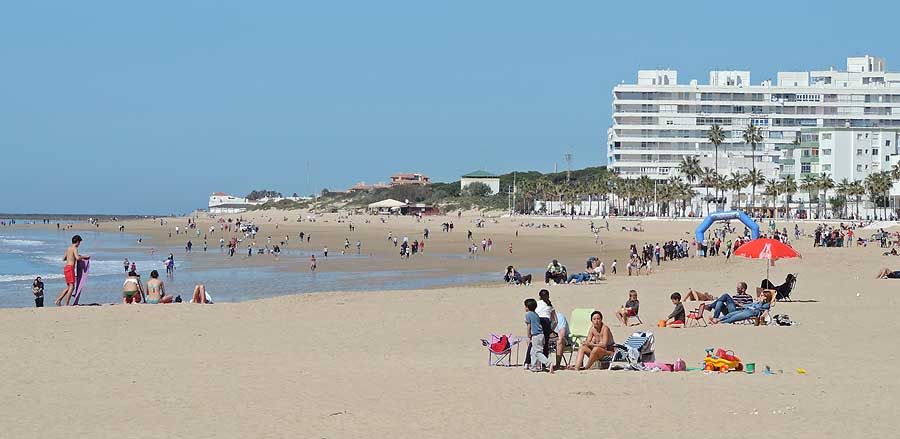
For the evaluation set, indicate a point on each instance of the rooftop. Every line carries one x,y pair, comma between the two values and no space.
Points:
480,174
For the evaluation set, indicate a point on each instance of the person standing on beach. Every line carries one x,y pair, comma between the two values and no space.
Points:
71,258
37,288
125,265
312,263
325,252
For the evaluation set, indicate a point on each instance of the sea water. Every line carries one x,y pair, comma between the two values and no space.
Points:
27,253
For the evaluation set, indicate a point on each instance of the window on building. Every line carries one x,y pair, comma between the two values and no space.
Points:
826,136
804,168
859,136
858,152
887,143
874,151
858,168
826,152
826,168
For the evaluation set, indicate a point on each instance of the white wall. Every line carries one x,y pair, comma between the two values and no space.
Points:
493,183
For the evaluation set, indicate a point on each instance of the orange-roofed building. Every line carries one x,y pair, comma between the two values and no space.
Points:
401,179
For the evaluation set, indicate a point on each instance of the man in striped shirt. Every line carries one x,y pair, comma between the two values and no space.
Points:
729,303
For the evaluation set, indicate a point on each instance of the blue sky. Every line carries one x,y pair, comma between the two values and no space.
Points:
147,107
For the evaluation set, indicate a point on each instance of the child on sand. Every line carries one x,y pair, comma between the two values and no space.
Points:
630,309
535,331
70,258
676,319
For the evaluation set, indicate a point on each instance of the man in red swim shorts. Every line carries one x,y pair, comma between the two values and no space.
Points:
71,258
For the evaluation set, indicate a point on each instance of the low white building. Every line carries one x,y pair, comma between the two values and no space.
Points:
222,203
490,180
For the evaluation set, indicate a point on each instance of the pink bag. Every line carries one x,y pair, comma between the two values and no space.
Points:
665,367
679,366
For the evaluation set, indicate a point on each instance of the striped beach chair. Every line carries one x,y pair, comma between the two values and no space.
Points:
638,348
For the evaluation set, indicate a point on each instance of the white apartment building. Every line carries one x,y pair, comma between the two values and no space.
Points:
657,121
222,203
851,153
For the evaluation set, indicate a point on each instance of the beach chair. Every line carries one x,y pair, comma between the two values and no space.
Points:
580,325
567,349
695,318
638,348
499,349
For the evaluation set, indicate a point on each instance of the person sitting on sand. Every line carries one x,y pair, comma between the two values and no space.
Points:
887,273
783,290
563,336
200,295
513,276
599,343
893,252
697,296
131,289
555,272
752,310
156,290
676,318
630,309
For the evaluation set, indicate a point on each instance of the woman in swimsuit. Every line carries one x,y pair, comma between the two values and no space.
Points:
698,295
156,290
131,289
599,343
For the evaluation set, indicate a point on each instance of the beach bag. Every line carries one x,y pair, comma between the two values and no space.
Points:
783,320
501,345
679,366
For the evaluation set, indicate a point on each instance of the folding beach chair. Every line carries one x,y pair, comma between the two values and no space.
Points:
635,317
695,318
580,325
638,348
567,349
499,349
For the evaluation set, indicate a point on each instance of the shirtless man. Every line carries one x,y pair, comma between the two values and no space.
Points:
71,257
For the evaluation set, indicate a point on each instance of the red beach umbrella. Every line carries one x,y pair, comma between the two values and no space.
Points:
765,248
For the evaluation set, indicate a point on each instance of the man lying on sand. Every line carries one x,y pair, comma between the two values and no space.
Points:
887,273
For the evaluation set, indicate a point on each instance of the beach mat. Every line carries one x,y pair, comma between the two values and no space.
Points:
81,274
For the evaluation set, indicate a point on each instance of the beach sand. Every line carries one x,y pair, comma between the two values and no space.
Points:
410,363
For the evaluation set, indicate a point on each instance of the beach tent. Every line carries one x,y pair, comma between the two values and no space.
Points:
387,205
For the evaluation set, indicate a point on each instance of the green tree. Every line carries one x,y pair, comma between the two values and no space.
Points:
788,188
753,136
826,183
716,136
810,184
755,178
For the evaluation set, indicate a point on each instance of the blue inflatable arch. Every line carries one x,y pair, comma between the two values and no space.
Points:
725,216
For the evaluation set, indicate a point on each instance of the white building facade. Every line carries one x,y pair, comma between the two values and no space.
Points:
657,121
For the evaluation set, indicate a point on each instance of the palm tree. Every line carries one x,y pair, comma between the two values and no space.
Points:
716,136
810,184
753,136
877,185
788,188
690,168
857,190
772,188
736,184
843,190
825,183
708,180
754,179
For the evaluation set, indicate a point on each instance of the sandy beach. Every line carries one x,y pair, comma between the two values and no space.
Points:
410,363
